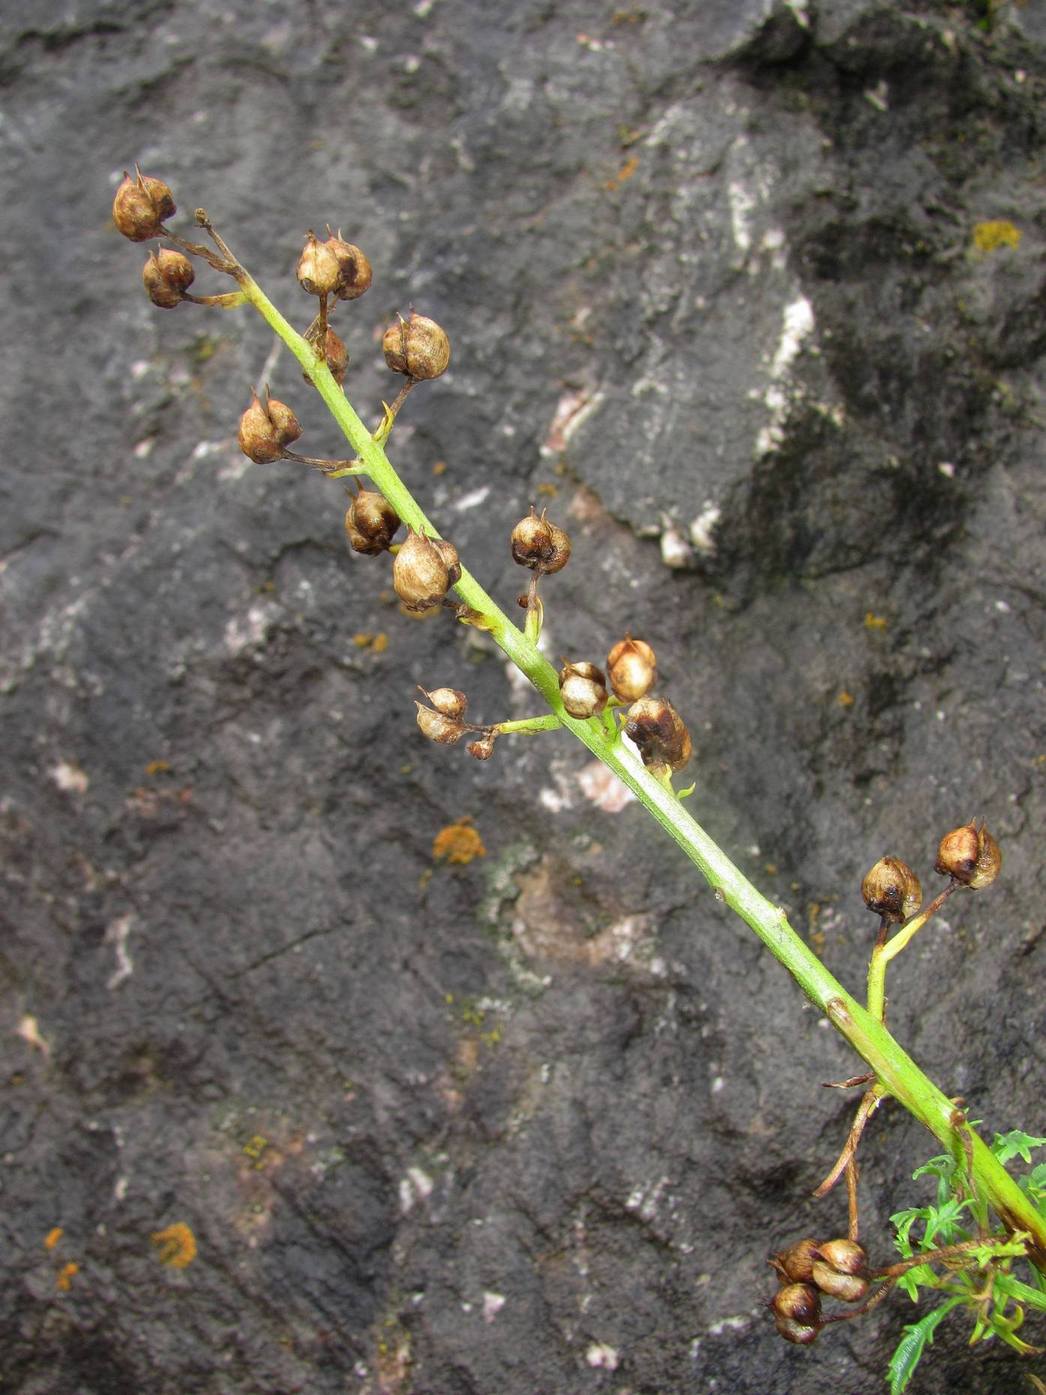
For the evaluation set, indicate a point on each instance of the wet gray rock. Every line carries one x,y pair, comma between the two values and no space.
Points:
721,293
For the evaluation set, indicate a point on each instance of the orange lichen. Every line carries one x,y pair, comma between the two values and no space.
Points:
626,171
176,1244
874,622
458,842
845,699
52,1237
63,1280
995,233
158,767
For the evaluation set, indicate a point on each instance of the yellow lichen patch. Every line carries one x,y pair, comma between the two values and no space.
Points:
874,622
995,233
63,1280
458,842
176,1244
844,699
158,767
440,468
52,1237
626,172
376,643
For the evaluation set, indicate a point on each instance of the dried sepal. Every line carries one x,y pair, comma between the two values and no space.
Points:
417,347
166,276
370,523
266,428
356,273
969,855
796,1263
892,890
660,735
632,669
141,206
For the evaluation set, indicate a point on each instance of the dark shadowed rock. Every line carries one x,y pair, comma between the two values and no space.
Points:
752,297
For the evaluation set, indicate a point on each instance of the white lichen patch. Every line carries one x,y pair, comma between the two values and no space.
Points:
702,529
602,1357
645,1198
248,631
69,777
414,1187
116,934
492,1305
29,1030
603,788
473,499
572,409
798,324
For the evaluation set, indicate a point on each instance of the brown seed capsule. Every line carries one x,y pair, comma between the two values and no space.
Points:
436,727
660,734
583,689
336,354
356,272
483,747
799,1302
844,1256
417,347
265,428
370,523
797,1332
969,855
632,669
452,702
848,1288
141,205
538,544
891,889
318,270
796,1263
423,571
167,276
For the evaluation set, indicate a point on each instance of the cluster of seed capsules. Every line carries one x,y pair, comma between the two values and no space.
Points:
812,1270
424,569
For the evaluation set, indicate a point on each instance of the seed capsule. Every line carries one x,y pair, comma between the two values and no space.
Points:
370,523
141,205
436,727
318,270
970,855
583,689
452,702
265,428
167,276
841,1270
891,889
797,1332
417,347
483,747
845,1256
799,1302
632,669
356,273
796,1263
660,734
424,571
539,544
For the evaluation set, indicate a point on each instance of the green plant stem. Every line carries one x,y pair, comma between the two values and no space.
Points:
896,1072
548,722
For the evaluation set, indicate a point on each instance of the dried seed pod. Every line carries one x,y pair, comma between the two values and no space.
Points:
417,347
891,889
356,272
437,727
370,523
422,571
797,1332
265,428
847,1288
969,855
336,354
167,276
483,747
539,544
632,669
799,1302
583,689
452,702
318,270
796,1263
141,205
660,735
847,1256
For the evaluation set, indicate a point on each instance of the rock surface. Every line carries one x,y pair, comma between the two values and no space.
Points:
724,292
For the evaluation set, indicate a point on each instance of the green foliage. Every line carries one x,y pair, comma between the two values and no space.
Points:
976,1265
